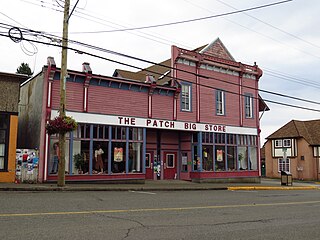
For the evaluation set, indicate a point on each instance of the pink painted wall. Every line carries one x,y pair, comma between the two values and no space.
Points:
117,101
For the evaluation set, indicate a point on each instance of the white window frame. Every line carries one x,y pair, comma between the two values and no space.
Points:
248,101
283,165
285,143
185,97
220,102
173,160
316,151
278,143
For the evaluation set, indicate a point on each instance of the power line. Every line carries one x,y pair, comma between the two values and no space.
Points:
91,18
130,65
192,73
292,79
272,26
170,41
191,20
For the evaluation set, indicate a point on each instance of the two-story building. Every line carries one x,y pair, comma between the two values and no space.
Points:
9,99
194,116
294,148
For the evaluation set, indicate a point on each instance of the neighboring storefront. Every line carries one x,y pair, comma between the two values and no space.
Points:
134,126
9,98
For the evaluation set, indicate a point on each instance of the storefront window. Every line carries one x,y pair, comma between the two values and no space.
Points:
207,157
253,158
196,159
90,150
54,156
118,157
220,158
243,158
207,137
135,157
226,152
247,152
231,158
100,157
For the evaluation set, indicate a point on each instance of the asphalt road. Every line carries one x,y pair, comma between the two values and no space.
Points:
161,215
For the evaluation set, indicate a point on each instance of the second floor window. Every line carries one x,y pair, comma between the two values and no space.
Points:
185,97
287,143
248,101
220,102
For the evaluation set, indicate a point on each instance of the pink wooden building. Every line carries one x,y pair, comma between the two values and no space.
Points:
194,117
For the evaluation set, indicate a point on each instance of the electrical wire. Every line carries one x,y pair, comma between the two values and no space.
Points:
191,20
130,65
188,72
270,25
156,38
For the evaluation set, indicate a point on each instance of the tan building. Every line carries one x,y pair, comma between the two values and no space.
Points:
9,98
294,148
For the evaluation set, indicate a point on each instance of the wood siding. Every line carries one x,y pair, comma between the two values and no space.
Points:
162,106
189,78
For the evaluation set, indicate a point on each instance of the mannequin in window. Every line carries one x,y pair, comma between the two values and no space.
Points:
98,159
56,157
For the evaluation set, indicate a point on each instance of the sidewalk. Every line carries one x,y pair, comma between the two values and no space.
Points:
164,185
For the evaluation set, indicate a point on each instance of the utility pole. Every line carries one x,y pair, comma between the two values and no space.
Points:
62,110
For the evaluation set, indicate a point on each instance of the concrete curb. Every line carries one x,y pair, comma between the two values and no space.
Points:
154,189
85,189
272,188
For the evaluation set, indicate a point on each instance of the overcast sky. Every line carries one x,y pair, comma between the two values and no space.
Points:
284,40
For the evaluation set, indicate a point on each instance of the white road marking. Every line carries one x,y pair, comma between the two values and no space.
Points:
151,193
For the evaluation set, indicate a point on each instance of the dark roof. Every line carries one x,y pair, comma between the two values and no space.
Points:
262,105
161,73
14,76
309,130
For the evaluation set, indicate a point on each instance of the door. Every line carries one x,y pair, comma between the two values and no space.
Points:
170,165
149,165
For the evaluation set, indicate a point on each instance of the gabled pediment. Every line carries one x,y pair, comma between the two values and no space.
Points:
217,49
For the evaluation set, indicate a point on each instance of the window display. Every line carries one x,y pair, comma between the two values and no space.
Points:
207,156
226,152
220,158
89,146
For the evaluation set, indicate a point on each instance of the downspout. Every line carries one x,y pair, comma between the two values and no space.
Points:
258,76
47,102
317,163
87,70
240,96
197,92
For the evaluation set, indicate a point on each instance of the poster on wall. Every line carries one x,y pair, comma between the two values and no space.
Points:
219,155
27,161
30,168
118,154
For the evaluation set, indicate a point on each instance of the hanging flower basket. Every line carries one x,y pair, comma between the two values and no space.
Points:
61,125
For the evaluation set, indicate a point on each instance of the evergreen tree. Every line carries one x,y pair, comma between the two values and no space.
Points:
24,69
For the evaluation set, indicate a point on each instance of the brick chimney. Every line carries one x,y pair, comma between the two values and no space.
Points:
86,68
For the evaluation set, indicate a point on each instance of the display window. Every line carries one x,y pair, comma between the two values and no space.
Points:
207,157
225,152
90,154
